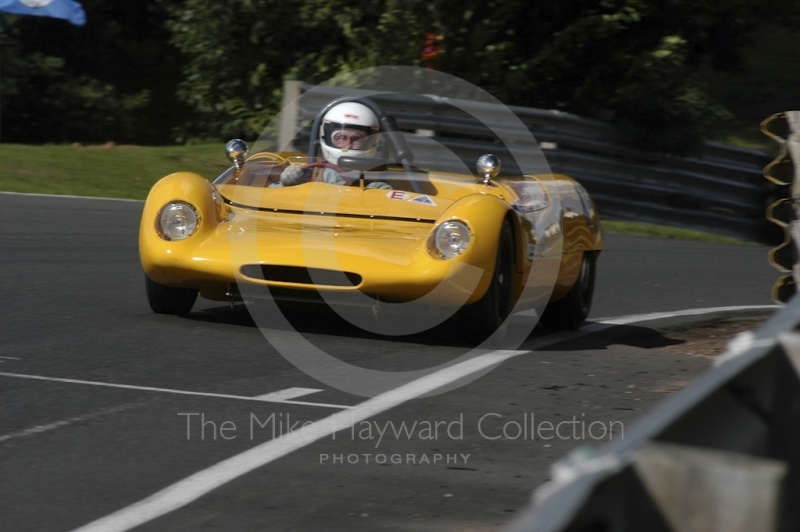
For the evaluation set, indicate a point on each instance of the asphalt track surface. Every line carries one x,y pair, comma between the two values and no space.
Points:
72,452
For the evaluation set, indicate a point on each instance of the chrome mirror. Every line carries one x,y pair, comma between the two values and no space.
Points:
488,166
236,150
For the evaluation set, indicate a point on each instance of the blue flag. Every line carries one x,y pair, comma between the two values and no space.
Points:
66,9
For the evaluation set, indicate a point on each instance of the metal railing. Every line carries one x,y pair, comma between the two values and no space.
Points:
722,190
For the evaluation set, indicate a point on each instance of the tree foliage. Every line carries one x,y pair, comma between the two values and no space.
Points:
160,70
113,79
635,63
240,52
235,62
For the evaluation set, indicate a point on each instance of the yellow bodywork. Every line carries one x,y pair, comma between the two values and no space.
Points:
380,238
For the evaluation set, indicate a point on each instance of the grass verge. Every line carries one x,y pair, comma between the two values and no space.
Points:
663,231
107,171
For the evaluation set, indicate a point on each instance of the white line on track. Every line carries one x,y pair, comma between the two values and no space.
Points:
260,398
38,195
65,422
636,318
195,486
9,358
288,393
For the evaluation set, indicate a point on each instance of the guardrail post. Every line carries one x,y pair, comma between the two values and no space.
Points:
700,490
290,115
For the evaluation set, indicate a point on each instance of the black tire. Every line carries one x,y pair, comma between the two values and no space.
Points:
487,315
169,299
572,310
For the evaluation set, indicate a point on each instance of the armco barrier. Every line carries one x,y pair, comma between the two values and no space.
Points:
721,455
722,190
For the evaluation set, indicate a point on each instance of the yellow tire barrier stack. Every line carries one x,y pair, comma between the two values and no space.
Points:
784,128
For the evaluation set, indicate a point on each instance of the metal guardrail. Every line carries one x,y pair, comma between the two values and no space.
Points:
721,455
722,190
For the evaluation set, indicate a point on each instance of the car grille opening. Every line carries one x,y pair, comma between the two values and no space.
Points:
300,275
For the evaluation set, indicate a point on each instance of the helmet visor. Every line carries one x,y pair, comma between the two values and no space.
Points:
348,136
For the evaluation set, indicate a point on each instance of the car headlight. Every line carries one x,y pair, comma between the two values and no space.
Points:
178,221
451,238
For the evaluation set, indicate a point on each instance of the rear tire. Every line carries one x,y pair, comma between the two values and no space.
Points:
487,315
572,310
169,299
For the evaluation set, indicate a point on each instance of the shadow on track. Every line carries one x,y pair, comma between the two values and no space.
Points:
630,335
320,319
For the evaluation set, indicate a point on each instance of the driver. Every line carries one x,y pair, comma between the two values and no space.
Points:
347,129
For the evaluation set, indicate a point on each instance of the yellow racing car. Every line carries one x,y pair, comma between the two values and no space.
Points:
354,221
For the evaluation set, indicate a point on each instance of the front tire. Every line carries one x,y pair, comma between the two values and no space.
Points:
487,315
169,299
572,310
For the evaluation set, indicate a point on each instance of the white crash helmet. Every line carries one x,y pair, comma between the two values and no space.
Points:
343,120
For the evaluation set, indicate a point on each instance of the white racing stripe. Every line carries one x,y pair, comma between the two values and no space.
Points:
263,398
191,488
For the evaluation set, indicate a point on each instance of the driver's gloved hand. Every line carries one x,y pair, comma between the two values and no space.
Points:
293,175
379,184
